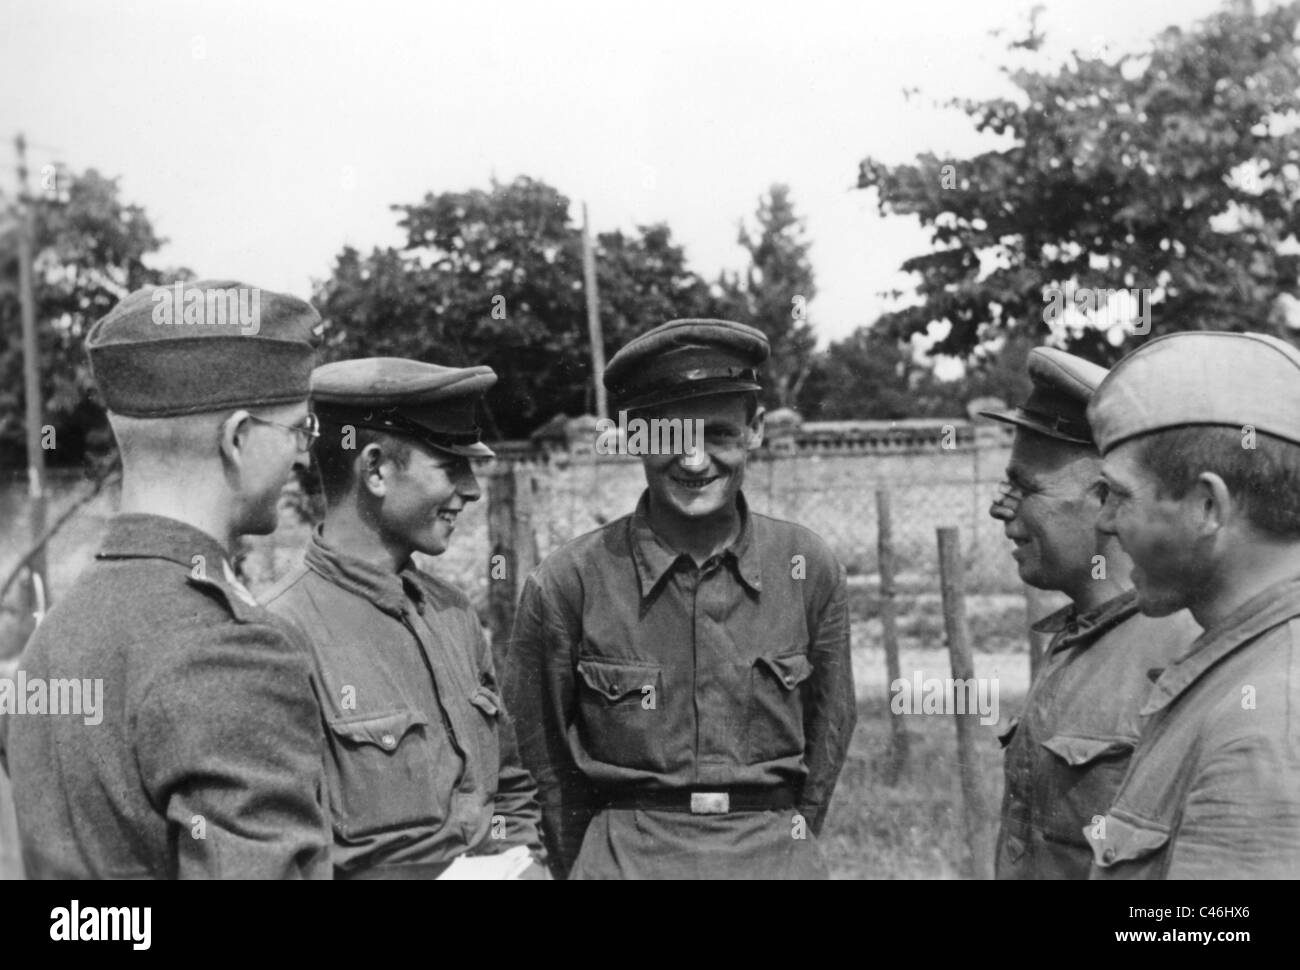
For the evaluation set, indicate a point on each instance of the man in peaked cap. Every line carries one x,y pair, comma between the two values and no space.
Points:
204,759
1201,438
681,676
1066,754
422,766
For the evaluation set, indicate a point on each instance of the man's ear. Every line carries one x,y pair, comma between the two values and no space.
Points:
233,437
373,471
1215,507
754,433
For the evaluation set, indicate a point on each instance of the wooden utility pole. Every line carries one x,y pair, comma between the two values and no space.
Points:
952,585
593,319
889,632
31,386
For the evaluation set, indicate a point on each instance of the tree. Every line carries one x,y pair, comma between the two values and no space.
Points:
89,251
774,294
865,376
495,277
1176,171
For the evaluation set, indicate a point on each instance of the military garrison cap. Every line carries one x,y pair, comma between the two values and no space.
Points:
685,359
209,345
1057,404
427,402
1200,378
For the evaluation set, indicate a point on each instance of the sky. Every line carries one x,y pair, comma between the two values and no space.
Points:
262,137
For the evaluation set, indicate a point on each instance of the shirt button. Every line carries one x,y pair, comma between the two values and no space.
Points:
388,741
789,681
1108,855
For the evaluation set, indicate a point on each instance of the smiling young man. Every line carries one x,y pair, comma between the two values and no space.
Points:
681,676
207,762
1066,754
421,767
1201,438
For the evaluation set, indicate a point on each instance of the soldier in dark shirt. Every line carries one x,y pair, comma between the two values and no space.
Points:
681,676
422,767
1201,438
1067,752
206,758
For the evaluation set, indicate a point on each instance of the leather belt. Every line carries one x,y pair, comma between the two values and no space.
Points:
713,801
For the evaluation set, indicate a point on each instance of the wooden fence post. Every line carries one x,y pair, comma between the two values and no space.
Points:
898,742
513,550
963,669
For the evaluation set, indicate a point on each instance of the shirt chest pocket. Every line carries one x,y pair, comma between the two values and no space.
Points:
1077,781
389,771
1137,843
774,727
620,707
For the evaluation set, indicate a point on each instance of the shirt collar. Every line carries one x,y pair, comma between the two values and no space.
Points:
389,591
139,535
654,559
1073,627
1259,614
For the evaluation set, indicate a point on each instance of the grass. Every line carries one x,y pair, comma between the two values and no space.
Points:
914,828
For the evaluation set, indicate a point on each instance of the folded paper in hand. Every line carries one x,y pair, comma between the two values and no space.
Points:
508,865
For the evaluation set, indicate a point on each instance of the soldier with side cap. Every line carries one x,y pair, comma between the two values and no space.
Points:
1067,752
680,677
208,760
422,767
1200,433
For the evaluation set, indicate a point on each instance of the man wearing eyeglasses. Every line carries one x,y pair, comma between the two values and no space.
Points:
197,752
1067,753
423,776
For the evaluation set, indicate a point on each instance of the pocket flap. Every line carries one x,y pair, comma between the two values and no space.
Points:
615,680
790,669
486,701
1075,750
385,731
1115,840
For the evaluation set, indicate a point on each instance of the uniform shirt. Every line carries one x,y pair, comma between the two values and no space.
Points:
1068,751
208,761
631,668
1213,791
422,764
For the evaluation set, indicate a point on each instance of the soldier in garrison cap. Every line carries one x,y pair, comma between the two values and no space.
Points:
422,766
1065,755
206,759
1201,438
681,676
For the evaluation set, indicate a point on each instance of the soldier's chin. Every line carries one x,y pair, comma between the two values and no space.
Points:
433,545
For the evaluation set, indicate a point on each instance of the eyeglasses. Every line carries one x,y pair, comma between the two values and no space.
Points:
305,432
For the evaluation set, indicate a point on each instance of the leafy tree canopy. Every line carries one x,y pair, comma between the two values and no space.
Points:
1175,170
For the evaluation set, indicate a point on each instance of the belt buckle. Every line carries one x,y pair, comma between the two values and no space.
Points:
710,803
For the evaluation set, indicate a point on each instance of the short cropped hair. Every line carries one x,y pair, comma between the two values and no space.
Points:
1265,479
335,463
